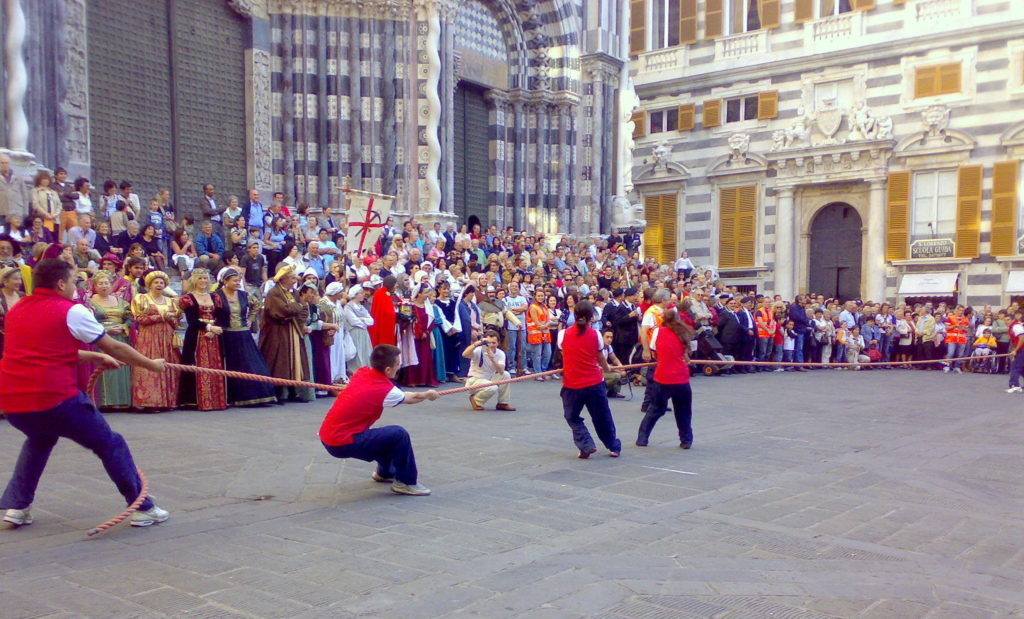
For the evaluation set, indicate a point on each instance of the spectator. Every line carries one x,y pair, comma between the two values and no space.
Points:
44,201
13,191
209,248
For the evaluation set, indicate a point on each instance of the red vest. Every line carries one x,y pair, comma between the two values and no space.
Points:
356,408
40,365
672,368
580,367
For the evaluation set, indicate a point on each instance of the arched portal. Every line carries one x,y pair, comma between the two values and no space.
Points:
835,252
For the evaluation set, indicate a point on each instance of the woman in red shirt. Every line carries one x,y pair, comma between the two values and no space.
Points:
583,368
671,344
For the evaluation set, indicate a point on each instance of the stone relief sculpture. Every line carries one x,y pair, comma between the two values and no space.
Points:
798,134
628,103
739,144
935,119
827,120
864,125
626,215
661,153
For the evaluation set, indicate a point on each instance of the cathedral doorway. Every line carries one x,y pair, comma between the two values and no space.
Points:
835,252
472,165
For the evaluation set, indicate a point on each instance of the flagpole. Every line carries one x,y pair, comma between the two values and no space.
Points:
367,193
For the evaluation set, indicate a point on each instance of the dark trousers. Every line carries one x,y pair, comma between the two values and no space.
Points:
595,398
682,401
390,447
78,419
649,390
1016,368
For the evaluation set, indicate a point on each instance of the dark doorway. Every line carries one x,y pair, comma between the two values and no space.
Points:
472,154
834,266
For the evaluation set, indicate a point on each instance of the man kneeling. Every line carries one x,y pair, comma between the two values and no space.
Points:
487,365
346,431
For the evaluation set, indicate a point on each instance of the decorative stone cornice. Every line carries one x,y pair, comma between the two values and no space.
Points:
380,9
835,162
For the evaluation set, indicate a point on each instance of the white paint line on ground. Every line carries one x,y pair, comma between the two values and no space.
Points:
783,438
658,468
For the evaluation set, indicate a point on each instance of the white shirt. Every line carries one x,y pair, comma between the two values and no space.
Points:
394,397
481,367
513,303
83,204
83,325
684,263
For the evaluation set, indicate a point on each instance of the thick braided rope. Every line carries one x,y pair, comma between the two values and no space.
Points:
131,509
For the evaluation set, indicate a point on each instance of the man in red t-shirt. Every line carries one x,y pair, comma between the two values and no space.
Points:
346,431
39,390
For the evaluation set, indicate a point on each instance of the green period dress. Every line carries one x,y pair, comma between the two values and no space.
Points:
114,388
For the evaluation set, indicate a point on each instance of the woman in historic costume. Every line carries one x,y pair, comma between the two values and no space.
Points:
467,323
422,374
200,307
282,331
321,339
341,346
449,335
120,287
157,317
114,388
441,325
357,321
240,352
385,317
10,293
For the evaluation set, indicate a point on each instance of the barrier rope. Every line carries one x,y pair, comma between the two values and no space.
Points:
284,382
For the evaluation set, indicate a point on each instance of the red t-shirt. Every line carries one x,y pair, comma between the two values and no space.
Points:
359,406
580,367
672,368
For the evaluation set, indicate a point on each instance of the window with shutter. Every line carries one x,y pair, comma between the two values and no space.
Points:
803,11
897,216
639,124
687,21
737,228
768,104
968,211
713,18
727,201
669,212
686,117
863,5
770,12
1004,208
652,233
934,80
637,27
711,114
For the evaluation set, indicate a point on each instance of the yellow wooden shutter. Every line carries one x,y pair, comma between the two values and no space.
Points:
803,11
948,78
898,216
713,17
711,114
639,124
898,1
770,13
687,21
924,82
768,104
686,117
746,226
968,211
1004,208
652,233
863,5
728,198
637,27
669,212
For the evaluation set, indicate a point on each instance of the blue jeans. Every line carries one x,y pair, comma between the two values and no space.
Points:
516,347
682,401
777,353
540,356
954,351
764,348
595,398
390,447
798,348
78,419
1016,368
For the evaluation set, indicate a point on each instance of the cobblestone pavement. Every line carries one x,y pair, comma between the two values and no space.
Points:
825,494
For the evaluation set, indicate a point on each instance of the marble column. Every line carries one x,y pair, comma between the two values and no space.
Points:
17,76
519,165
874,275
785,266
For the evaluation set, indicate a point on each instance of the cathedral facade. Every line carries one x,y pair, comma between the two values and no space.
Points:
512,111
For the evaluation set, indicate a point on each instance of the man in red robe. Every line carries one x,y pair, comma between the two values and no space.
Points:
382,308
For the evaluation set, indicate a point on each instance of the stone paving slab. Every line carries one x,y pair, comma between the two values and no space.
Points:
828,494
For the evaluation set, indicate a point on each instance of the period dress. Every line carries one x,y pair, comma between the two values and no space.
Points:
422,373
437,344
114,388
241,354
357,321
155,339
206,392
450,343
282,331
321,343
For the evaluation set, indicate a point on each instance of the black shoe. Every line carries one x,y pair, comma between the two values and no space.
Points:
643,408
641,443
685,445
616,395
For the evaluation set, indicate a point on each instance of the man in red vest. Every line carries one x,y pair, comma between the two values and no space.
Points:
385,316
346,432
39,390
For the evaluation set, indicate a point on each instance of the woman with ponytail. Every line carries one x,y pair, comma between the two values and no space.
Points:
670,343
583,384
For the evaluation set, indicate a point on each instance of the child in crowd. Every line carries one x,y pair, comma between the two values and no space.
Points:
788,345
984,347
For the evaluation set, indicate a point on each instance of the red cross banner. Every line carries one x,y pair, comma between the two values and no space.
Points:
366,217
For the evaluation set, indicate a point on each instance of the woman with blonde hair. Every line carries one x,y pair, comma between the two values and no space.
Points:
114,388
157,316
202,345
10,294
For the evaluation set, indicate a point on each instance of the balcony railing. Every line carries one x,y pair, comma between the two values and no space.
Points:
833,31
660,64
932,10
741,45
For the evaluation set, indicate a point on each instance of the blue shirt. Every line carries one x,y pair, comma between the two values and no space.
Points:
256,215
213,244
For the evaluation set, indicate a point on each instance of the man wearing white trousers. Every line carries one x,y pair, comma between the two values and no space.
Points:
487,364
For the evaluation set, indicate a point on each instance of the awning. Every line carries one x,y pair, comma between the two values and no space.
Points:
924,284
1015,282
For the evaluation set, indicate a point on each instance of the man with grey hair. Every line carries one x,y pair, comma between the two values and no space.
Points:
13,192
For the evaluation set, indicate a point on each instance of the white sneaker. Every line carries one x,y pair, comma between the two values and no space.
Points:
946,369
779,370
155,515
19,517
1014,390
380,479
414,490
958,370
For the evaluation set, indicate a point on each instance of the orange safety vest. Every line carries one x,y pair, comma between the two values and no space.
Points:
956,332
765,320
537,333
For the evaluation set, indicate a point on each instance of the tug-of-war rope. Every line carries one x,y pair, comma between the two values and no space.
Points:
284,382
